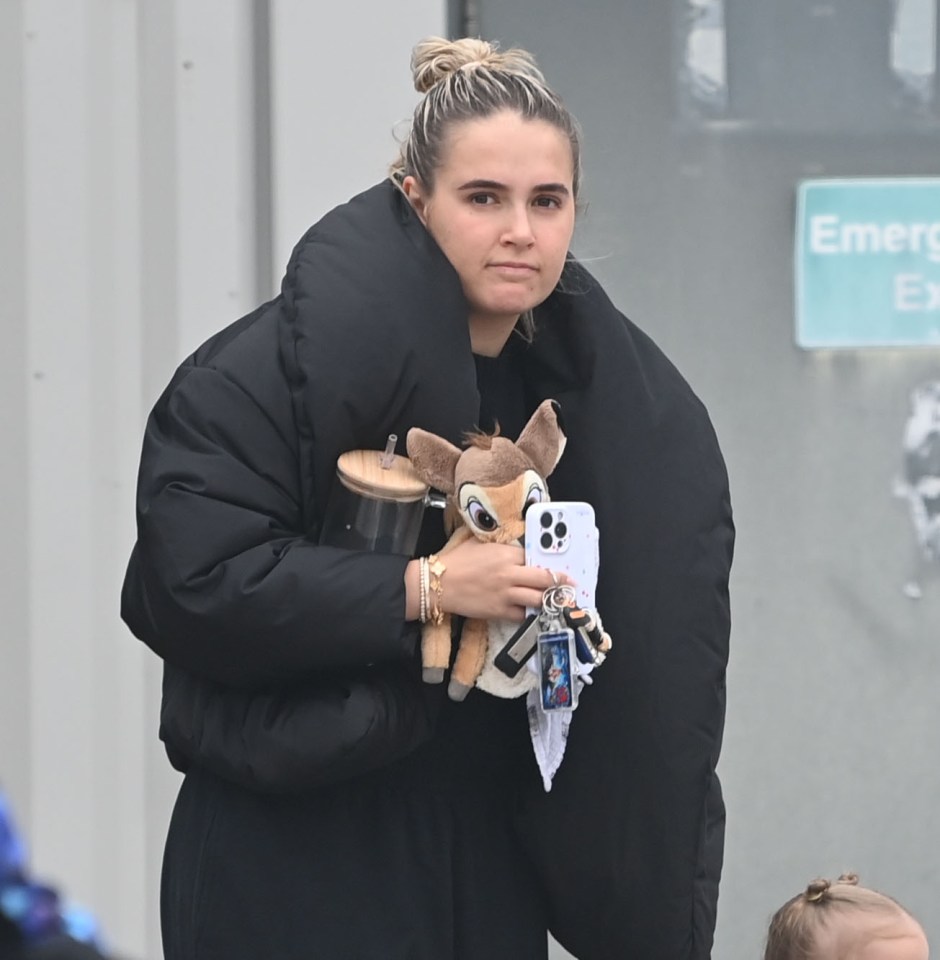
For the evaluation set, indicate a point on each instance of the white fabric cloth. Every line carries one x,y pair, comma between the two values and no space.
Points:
548,730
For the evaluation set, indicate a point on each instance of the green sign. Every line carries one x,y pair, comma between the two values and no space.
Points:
868,263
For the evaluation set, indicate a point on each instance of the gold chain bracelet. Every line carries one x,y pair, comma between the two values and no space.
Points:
436,570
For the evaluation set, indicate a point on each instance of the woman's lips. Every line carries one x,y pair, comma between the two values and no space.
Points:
512,269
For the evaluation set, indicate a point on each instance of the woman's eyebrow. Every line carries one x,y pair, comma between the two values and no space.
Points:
551,188
496,185
482,185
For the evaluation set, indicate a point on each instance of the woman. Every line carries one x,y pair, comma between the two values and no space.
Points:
334,805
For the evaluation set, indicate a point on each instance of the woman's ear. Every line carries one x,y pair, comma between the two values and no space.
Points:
412,190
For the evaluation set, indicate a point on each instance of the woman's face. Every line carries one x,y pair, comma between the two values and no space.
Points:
502,210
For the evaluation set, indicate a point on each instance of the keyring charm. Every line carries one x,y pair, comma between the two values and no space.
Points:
556,598
558,686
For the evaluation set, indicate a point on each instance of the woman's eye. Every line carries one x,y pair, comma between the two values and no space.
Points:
482,199
480,517
548,202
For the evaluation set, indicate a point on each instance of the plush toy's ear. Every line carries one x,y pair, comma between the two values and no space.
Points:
543,440
434,459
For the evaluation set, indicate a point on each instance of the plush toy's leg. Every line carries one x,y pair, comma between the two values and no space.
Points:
435,650
470,656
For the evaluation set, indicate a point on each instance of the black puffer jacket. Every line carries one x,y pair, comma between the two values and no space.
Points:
289,665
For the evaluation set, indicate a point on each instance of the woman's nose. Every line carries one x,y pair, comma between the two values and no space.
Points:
518,229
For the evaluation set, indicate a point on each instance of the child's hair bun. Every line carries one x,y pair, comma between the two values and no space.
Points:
816,890
434,59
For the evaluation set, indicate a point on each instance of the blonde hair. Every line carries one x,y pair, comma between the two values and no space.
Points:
798,926
469,79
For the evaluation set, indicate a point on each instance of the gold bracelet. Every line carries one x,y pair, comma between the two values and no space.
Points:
423,581
436,569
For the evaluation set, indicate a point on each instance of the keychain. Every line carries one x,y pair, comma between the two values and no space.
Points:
555,642
564,635
591,642
519,648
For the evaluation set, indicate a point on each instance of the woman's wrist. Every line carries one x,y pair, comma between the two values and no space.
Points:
413,590
424,589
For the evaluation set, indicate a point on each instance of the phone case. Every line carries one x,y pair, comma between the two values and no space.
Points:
562,536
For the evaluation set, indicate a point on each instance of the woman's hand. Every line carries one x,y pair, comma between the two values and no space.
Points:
485,581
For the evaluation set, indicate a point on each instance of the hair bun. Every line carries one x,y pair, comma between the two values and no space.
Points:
816,890
434,59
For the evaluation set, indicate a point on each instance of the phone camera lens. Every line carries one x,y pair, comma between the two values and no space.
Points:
561,530
546,519
546,540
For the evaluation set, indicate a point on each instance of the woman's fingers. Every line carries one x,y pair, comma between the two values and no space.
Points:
491,581
541,578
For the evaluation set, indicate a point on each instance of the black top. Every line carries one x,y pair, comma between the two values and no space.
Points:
502,389
483,742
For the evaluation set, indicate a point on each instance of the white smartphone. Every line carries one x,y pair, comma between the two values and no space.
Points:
562,536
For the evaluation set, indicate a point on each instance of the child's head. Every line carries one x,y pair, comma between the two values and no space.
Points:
843,921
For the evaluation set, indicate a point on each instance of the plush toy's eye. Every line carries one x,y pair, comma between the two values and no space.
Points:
535,491
480,516
535,495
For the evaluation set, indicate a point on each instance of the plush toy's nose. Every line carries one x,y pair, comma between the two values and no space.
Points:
513,531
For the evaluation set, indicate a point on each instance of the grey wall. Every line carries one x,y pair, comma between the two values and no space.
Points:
14,720
139,147
831,742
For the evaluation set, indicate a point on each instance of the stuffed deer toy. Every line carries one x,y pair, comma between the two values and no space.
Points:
489,485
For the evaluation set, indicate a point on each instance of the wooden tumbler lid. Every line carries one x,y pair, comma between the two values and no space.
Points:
362,472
